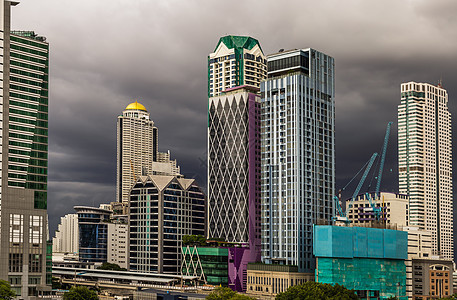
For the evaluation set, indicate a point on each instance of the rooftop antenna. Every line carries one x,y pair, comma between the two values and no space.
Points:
440,82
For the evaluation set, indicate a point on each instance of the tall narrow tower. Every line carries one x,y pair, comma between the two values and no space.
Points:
235,70
137,143
425,161
24,64
298,154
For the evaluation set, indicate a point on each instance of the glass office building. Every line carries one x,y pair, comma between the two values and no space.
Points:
93,233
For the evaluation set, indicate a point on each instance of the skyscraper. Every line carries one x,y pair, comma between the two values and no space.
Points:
236,61
137,150
137,147
298,154
235,71
234,166
425,161
24,156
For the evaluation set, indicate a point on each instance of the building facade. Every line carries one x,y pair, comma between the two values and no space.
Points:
234,167
24,61
93,233
419,247
67,235
162,210
209,264
298,154
236,61
370,261
425,161
266,281
393,209
118,243
137,147
432,279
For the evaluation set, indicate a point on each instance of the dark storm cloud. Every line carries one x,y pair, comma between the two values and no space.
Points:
105,54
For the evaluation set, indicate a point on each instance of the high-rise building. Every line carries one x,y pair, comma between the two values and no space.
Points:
67,235
137,147
425,161
236,61
298,154
24,58
137,150
233,177
163,209
234,166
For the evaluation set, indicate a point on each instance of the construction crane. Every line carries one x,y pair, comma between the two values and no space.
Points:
342,216
377,210
383,159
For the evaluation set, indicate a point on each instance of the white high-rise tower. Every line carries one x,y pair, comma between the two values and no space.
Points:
425,161
136,147
137,150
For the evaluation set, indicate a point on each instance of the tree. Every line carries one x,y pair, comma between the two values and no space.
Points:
80,293
110,266
452,297
317,291
198,240
225,293
6,293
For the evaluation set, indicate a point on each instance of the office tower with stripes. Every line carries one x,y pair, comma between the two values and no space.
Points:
23,159
425,161
298,154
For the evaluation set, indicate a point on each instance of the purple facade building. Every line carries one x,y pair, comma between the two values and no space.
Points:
233,177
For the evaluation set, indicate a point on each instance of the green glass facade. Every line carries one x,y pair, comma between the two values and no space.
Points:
370,261
210,264
386,276
28,115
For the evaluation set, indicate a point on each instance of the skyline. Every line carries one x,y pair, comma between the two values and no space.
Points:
166,71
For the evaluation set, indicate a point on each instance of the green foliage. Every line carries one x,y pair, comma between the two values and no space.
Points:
317,291
197,240
80,293
6,293
225,293
113,267
452,297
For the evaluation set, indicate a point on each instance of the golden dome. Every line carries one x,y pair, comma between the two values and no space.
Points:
136,106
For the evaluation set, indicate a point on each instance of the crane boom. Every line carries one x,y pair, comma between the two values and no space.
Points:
383,158
361,182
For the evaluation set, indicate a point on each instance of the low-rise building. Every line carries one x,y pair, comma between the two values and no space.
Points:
265,281
432,278
209,264
370,261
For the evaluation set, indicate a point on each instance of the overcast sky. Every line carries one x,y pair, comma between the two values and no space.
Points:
105,54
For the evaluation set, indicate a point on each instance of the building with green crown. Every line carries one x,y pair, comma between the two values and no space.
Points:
23,159
236,61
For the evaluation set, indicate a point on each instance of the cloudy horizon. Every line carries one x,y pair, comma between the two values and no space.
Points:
107,54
